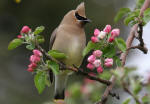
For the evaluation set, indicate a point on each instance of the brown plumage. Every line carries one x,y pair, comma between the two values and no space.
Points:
69,38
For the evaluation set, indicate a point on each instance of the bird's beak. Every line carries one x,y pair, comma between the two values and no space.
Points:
87,20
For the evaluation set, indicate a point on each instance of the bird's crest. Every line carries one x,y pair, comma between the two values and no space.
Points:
81,9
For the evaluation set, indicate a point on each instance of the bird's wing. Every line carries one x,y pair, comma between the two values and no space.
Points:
52,39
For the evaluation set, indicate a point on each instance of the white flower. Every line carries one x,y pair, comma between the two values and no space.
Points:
102,35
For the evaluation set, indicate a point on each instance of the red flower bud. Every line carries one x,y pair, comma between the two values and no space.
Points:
99,69
19,36
90,66
94,39
30,70
25,29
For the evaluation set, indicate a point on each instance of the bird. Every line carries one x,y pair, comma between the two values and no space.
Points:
69,38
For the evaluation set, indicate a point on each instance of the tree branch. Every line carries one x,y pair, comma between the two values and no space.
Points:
129,41
75,69
130,93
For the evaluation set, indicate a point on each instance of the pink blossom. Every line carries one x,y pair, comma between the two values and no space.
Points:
37,52
30,70
19,36
111,39
97,53
90,66
107,28
108,62
96,32
115,32
94,39
32,65
25,29
97,63
102,35
91,58
99,69
34,59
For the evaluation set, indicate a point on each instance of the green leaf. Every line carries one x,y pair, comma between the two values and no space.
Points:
30,47
137,88
56,54
47,81
147,12
54,66
127,20
139,3
131,17
127,101
105,75
128,70
91,46
120,44
146,17
15,43
118,62
109,51
40,39
39,80
121,13
38,30
145,99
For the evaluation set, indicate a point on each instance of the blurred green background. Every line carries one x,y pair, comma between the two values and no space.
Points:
16,84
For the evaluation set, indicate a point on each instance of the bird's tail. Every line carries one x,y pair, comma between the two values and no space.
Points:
60,84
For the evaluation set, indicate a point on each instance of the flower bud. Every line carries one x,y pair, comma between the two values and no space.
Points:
115,32
107,28
32,65
91,58
97,63
94,39
90,66
102,35
34,59
97,53
37,52
108,62
30,70
19,36
111,39
25,29
99,69
96,32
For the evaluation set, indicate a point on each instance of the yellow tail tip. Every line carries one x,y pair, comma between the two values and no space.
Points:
59,101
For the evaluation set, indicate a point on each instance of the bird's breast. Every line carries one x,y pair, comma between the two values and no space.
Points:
72,46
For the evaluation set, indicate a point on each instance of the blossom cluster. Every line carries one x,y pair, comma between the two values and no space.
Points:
24,30
95,61
34,60
99,35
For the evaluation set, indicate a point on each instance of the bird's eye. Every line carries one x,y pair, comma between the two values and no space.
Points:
79,17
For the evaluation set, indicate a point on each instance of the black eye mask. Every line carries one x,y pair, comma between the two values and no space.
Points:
80,17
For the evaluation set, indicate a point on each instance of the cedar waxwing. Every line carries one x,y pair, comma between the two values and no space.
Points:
69,38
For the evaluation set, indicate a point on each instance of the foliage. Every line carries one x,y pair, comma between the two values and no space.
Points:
132,17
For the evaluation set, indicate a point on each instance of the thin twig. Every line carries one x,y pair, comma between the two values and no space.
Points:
130,93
